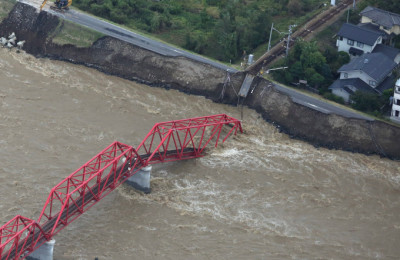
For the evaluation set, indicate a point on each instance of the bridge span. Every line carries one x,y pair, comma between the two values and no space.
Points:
82,189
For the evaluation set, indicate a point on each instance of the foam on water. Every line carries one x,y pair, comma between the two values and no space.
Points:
281,198
205,198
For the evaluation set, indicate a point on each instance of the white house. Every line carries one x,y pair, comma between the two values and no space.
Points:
396,103
357,40
370,72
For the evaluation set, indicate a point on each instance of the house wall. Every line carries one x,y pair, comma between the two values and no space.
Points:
341,93
379,41
396,29
365,19
396,102
397,59
344,46
357,74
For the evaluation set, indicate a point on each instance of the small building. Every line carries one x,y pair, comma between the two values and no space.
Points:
395,116
357,40
370,72
387,21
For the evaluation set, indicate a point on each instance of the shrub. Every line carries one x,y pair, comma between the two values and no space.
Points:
333,97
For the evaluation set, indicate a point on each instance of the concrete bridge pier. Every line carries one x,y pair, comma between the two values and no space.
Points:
141,180
44,252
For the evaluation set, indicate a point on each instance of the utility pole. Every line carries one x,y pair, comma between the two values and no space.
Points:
354,4
270,36
288,40
348,14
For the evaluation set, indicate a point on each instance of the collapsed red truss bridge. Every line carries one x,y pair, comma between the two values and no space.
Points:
166,141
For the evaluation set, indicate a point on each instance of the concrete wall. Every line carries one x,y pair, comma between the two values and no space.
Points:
125,60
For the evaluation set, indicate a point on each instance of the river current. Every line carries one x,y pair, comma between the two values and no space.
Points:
261,195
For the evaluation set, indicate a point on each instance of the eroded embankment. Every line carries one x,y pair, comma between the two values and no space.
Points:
122,59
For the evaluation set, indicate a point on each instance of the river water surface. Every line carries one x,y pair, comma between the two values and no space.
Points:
261,195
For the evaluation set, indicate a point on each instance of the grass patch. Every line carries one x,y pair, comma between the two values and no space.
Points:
176,38
327,37
71,33
156,37
220,29
5,7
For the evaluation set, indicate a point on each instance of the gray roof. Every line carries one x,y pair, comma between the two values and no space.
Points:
353,32
360,85
388,83
390,52
376,65
381,17
357,83
374,28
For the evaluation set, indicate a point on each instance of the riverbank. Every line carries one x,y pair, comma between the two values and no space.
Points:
122,59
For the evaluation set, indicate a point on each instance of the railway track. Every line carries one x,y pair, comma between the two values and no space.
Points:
279,50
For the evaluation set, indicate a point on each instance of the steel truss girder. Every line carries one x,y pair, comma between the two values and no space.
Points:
187,138
165,142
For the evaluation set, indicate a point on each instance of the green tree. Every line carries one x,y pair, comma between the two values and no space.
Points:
295,7
388,5
222,29
288,77
308,63
101,10
330,54
316,80
297,71
308,5
196,41
333,97
310,56
309,72
343,58
364,101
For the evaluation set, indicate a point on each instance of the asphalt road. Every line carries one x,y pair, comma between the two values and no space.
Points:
319,105
164,49
131,37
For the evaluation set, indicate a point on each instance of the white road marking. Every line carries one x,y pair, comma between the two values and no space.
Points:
317,107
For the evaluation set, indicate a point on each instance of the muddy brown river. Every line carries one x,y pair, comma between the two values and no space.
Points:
261,195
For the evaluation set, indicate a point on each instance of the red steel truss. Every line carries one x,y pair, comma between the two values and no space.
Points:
185,139
167,141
